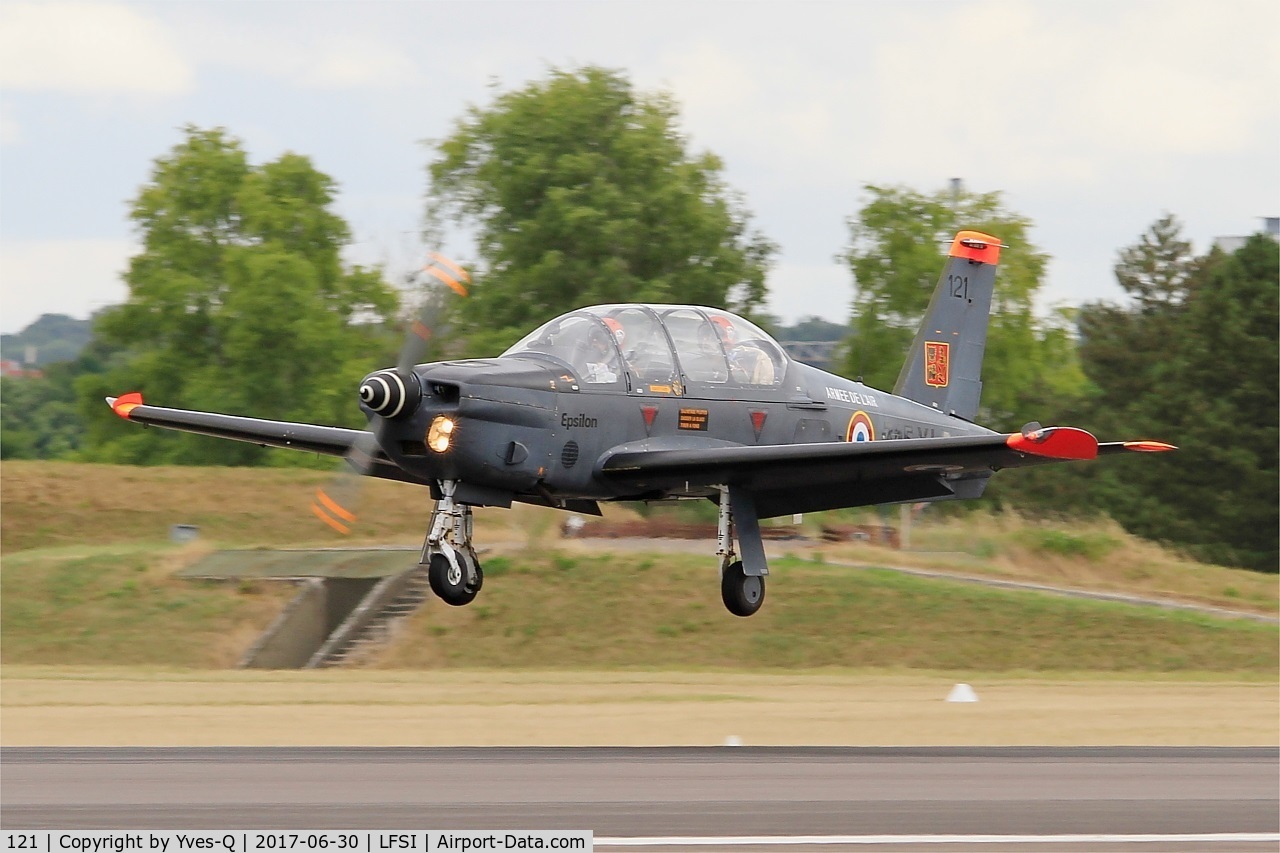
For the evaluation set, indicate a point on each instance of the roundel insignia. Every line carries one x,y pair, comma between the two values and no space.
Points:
860,428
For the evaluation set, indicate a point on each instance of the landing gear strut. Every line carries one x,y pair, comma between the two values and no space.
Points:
452,566
741,581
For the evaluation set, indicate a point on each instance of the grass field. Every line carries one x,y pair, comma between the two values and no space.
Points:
572,644
121,604
49,505
117,707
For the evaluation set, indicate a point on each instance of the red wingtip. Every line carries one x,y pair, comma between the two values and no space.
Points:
976,246
1056,443
126,403
1149,446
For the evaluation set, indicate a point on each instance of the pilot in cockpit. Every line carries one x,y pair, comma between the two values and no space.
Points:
747,363
602,356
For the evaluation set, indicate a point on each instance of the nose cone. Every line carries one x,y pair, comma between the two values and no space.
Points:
391,394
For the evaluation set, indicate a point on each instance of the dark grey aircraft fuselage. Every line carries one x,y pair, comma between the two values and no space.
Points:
527,426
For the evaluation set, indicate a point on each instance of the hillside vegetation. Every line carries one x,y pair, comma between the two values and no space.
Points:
88,579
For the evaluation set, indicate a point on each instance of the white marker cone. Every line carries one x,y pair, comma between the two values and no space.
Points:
962,693
733,740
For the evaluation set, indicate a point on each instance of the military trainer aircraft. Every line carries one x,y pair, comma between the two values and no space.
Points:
635,402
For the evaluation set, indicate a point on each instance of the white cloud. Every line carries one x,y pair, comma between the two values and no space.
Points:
1046,94
797,291
75,277
1005,92
268,41
357,64
10,130
88,48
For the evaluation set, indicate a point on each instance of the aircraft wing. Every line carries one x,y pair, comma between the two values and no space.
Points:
809,477
313,438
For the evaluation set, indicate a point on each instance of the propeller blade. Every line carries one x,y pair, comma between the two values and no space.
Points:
336,503
444,271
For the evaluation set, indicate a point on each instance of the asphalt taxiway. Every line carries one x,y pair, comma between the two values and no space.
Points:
739,798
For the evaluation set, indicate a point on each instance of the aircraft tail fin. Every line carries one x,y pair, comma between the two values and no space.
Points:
944,366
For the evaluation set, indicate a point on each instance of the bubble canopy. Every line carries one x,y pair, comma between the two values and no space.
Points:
613,346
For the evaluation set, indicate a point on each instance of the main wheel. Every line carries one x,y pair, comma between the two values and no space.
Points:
742,593
449,582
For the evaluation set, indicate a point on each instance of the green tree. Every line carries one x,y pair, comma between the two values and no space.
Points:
40,417
239,301
581,191
898,243
1207,351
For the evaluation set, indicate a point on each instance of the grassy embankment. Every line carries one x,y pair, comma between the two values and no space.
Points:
562,605
573,645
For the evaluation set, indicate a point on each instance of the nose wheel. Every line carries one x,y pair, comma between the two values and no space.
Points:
449,581
453,570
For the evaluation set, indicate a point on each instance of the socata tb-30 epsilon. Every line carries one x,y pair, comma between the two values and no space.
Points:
655,402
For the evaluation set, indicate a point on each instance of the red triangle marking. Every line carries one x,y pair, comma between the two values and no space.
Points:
649,412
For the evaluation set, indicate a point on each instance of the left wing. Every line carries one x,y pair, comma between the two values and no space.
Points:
313,438
810,477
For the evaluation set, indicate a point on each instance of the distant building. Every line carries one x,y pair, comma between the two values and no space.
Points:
819,354
17,370
1270,227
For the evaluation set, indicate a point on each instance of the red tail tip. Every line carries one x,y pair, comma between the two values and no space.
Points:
1056,443
976,246
1149,446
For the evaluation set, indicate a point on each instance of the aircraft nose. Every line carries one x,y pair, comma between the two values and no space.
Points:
391,394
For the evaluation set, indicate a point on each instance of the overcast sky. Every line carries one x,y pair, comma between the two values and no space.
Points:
1092,118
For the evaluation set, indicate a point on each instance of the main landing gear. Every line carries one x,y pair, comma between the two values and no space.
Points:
452,566
454,572
741,581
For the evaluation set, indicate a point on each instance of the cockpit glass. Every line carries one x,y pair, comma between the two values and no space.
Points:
644,345
712,347
579,340
754,357
702,358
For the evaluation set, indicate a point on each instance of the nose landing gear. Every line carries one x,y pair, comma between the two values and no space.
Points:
453,569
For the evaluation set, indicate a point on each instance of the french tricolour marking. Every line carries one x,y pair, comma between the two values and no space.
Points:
860,428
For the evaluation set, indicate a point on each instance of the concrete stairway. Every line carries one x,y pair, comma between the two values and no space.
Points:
374,620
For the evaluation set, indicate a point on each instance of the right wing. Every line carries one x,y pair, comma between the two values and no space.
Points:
313,438
794,478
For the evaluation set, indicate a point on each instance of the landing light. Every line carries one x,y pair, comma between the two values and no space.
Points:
439,433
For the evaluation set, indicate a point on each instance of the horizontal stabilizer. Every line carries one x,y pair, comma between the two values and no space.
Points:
1056,443
1110,447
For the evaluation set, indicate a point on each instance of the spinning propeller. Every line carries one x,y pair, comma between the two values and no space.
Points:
387,393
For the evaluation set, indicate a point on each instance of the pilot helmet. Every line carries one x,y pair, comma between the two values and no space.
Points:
619,334
728,334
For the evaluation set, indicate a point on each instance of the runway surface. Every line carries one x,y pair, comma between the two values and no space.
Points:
1202,794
